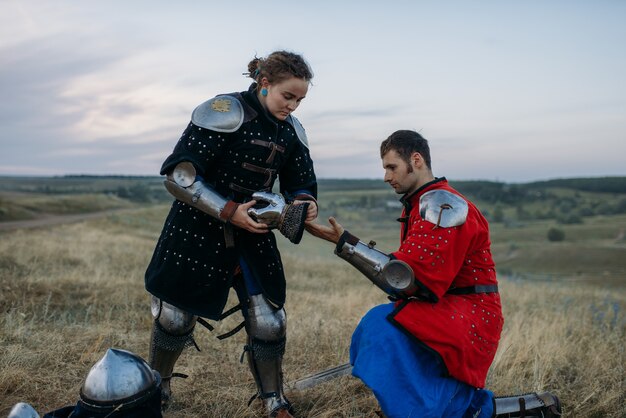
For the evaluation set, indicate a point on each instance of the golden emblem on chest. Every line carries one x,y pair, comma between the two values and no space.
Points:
221,105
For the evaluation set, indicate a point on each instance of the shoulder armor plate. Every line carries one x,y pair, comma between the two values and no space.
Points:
443,208
220,114
297,126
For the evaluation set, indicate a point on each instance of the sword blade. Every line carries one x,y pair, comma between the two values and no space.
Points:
321,377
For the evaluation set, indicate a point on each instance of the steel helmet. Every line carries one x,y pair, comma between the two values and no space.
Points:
120,380
23,410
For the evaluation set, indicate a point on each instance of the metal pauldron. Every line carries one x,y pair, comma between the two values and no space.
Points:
182,184
394,277
220,114
443,208
300,132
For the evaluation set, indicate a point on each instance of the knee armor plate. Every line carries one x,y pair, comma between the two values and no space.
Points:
173,320
265,321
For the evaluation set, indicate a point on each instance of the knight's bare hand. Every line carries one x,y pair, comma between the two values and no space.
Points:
311,212
330,233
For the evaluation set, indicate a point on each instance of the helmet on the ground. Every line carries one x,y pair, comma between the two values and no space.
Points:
23,410
119,380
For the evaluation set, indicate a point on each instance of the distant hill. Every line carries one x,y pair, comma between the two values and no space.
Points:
564,200
599,184
77,182
591,184
567,201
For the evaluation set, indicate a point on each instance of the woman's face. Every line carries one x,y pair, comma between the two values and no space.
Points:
284,97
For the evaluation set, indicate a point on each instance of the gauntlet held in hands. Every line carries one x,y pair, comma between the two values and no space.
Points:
288,218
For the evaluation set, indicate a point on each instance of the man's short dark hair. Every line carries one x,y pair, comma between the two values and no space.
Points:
405,143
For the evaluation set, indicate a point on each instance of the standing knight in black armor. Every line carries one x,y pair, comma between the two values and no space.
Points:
218,232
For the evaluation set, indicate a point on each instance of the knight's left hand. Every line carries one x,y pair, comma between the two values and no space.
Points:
311,212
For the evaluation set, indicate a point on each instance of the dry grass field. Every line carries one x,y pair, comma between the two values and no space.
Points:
69,292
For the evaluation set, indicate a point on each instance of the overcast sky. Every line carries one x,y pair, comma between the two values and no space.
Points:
511,91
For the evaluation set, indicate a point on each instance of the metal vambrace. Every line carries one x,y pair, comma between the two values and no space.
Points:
287,217
183,185
394,277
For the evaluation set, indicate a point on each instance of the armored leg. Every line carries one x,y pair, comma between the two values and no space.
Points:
544,405
172,331
266,327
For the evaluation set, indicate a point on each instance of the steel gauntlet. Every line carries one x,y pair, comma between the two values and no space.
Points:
288,218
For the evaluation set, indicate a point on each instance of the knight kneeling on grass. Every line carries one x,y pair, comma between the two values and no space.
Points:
427,354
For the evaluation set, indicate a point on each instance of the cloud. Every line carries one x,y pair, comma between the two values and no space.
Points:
75,99
110,86
34,79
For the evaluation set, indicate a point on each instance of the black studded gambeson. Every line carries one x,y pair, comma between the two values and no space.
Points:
191,267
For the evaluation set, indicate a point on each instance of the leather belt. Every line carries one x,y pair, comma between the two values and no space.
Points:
272,145
269,172
471,290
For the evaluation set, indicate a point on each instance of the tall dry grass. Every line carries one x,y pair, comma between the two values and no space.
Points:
70,292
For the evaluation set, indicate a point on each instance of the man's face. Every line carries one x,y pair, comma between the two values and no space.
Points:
285,97
398,173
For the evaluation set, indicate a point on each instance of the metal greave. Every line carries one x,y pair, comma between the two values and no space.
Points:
266,327
163,356
268,377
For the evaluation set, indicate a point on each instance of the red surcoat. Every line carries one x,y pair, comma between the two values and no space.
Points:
464,330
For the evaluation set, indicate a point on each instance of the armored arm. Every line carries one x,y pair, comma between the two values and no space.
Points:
183,185
394,277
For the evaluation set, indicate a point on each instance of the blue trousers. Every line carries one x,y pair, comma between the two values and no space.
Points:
407,379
